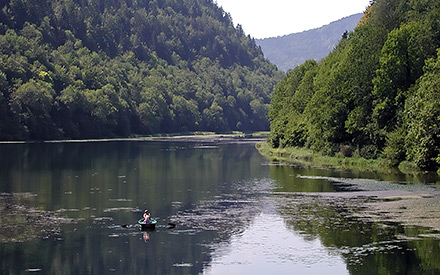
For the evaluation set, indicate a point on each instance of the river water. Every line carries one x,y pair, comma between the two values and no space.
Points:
221,209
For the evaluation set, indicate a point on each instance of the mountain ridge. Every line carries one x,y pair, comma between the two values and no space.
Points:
289,51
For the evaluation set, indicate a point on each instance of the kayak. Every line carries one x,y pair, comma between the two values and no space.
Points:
147,226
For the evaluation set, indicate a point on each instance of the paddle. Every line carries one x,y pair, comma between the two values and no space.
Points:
170,225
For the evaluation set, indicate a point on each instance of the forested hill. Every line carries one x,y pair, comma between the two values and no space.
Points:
107,68
377,95
292,50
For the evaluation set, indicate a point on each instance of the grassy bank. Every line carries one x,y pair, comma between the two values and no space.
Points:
306,157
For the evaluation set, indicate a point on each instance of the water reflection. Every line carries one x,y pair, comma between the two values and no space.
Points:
268,247
105,185
232,213
146,236
288,180
366,247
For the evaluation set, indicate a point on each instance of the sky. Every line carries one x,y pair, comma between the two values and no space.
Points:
271,18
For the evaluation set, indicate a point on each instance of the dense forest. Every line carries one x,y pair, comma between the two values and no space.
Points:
294,49
376,95
115,68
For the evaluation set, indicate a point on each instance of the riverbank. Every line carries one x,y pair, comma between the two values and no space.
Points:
307,158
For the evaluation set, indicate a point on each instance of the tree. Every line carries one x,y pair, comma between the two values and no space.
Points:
289,101
212,117
118,68
401,64
377,91
33,102
187,113
422,117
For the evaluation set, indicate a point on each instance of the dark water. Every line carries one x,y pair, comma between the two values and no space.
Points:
234,214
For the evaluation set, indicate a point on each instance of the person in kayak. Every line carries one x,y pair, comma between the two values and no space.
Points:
146,217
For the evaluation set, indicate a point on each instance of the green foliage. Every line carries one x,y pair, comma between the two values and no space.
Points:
377,92
289,100
326,111
32,102
394,151
117,68
422,114
401,64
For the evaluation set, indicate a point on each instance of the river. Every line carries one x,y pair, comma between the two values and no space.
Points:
221,209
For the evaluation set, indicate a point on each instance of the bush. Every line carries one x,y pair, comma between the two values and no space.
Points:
369,152
394,151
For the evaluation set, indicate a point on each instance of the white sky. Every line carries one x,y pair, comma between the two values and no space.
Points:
271,18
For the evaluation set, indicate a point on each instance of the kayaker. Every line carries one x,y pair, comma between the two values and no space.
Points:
146,217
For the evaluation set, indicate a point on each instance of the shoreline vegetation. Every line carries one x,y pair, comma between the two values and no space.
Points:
308,158
410,207
375,96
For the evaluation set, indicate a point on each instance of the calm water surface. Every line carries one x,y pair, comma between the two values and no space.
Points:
234,214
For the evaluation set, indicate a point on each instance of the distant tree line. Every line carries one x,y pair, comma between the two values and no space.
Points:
376,95
107,68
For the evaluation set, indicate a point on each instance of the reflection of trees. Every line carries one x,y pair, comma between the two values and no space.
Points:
428,251
288,182
88,175
368,248
94,252
98,248
166,178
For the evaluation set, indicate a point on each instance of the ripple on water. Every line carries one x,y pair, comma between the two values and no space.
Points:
126,209
221,215
226,214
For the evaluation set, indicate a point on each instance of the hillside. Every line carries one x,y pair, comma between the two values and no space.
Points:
375,95
292,50
95,68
